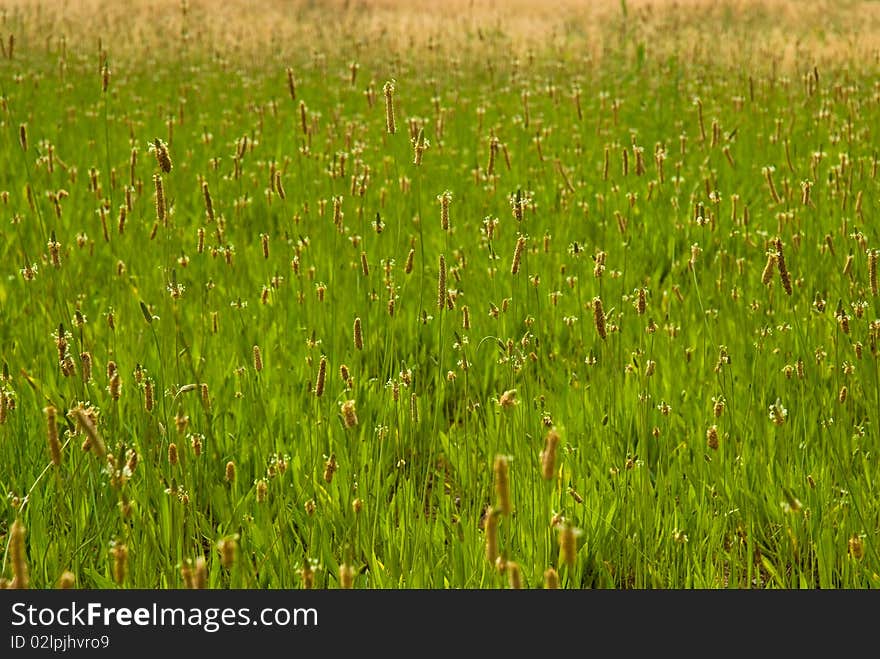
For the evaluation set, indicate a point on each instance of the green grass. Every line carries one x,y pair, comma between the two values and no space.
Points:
775,505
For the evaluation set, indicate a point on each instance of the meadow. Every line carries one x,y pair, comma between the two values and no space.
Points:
477,295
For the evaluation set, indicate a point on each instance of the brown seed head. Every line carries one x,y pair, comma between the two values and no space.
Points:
514,575
115,386
160,199
209,203
163,158
568,545
492,518
262,490
120,562
308,575
445,198
767,273
642,301
86,424
855,546
186,574
67,580
330,468
783,269
18,556
599,317
200,578
86,360
517,254
346,576
148,395
358,334
712,437
52,434
349,414
322,376
502,484
548,455
388,90
291,84
228,547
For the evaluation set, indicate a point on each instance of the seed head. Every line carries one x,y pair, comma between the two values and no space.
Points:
279,186
228,548
67,580
872,270
358,334
18,556
148,395
641,301
163,158
52,434
778,414
783,269
492,518
548,455
388,90
568,545
420,145
308,575
856,549
86,423
696,250
160,199
115,386
507,399
291,84
441,283
262,490
599,317
767,274
120,562
502,484
514,575
330,468
445,200
349,414
209,203
517,254
346,576
322,376
712,437
258,359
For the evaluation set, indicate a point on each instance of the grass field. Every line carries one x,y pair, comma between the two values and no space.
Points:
468,295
